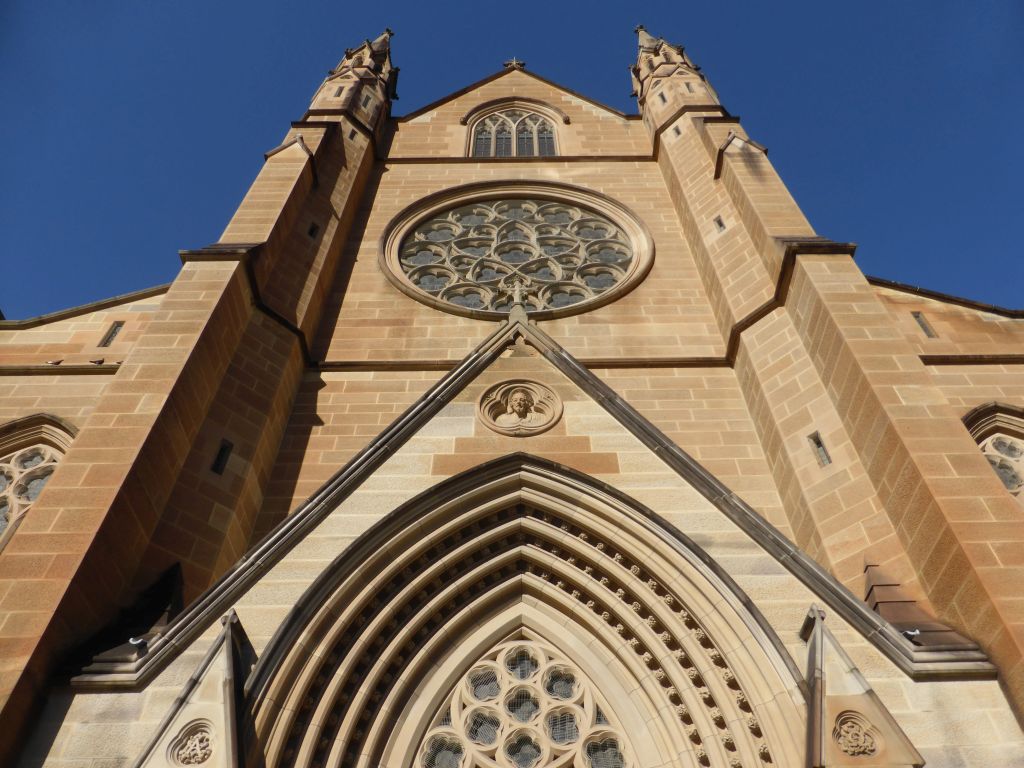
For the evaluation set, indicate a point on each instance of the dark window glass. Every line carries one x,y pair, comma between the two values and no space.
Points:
503,142
111,334
524,140
482,141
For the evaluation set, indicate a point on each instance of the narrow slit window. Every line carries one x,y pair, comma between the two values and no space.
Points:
352,134
111,334
314,230
662,97
925,325
820,451
719,224
689,87
366,100
339,91
220,461
676,131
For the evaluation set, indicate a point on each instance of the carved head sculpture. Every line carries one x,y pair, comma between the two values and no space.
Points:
519,408
520,402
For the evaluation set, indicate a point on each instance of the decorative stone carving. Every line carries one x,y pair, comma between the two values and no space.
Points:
853,734
194,746
519,408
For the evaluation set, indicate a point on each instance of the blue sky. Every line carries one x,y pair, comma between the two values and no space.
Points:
131,130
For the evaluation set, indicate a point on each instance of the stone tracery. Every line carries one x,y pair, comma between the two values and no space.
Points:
473,256
523,705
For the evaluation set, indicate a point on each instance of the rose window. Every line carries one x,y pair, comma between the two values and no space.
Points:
23,475
1006,455
522,706
481,257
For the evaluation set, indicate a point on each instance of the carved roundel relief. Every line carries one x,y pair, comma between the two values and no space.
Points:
193,745
559,249
519,408
855,735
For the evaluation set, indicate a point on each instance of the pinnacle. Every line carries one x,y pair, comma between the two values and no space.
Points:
646,41
383,41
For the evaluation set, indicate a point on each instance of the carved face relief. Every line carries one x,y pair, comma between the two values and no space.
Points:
519,408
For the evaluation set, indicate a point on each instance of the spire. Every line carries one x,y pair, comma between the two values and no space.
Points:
383,42
646,41
364,83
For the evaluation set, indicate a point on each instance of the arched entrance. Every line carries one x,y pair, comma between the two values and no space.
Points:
525,551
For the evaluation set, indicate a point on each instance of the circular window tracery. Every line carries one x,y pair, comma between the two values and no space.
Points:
23,475
1006,455
522,706
478,256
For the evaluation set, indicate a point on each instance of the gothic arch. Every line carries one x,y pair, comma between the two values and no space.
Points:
998,428
30,449
517,549
522,102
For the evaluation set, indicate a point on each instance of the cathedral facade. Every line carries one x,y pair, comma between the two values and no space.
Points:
514,432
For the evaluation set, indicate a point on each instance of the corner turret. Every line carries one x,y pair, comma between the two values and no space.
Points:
665,79
363,84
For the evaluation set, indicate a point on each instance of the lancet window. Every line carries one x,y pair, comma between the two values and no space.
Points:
513,133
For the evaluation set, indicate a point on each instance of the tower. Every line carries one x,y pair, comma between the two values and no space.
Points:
514,431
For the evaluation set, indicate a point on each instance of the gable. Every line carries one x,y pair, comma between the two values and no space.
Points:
437,130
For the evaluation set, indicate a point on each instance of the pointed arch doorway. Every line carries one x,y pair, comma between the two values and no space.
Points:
522,554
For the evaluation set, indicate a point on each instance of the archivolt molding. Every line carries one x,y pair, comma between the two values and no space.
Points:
39,428
709,682
989,418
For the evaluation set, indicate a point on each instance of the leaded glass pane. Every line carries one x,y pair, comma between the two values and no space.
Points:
482,141
502,141
534,135
545,141
554,254
524,140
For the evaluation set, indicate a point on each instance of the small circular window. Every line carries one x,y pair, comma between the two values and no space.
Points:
478,257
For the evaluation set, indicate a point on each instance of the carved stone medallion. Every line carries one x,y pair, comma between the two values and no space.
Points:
194,745
519,408
855,735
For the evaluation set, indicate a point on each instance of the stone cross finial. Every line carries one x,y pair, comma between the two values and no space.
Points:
515,63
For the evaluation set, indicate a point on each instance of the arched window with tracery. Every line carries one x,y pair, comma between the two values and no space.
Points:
999,430
1005,453
30,449
534,136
